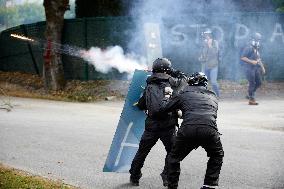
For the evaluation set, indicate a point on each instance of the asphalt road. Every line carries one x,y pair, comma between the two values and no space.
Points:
70,141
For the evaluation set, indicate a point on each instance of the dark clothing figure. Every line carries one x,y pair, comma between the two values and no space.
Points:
252,71
199,107
253,67
157,127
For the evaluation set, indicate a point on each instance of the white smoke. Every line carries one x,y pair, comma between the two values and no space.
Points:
113,57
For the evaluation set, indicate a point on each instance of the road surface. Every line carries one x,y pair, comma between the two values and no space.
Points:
70,141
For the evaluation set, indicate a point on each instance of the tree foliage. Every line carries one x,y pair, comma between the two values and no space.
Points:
20,14
279,5
96,8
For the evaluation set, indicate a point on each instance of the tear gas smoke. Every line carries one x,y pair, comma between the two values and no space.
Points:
103,60
113,57
182,22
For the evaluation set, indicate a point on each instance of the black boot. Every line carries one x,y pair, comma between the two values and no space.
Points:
165,179
134,180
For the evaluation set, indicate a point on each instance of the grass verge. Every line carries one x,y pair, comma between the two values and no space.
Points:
31,86
27,85
11,178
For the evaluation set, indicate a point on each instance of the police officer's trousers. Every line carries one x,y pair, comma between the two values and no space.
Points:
148,140
191,137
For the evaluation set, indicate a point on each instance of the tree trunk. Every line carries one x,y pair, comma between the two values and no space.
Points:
53,73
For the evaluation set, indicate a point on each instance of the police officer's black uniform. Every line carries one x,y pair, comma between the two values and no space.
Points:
199,107
157,127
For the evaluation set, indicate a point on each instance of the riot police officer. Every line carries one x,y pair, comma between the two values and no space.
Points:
199,128
156,126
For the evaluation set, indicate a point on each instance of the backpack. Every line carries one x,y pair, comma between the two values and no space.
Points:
154,97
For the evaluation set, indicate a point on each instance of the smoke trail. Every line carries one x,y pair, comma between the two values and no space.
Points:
103,60
113,57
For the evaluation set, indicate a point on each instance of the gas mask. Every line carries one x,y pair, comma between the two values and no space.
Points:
255,43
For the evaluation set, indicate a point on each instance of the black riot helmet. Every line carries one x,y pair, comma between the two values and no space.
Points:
198,79
161,65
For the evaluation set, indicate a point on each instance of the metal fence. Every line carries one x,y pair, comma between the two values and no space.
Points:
180,42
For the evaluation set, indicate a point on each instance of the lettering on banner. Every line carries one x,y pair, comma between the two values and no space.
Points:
277,32
179,37
242,32
199,29
220,31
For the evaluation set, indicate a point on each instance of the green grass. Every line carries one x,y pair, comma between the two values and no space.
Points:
15,179
243,82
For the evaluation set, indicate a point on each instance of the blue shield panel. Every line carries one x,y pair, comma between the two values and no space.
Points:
130,128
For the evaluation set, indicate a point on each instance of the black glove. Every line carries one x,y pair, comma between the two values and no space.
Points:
191,80
178,74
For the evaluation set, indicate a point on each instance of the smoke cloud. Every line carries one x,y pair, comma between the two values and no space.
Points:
113,57
182,22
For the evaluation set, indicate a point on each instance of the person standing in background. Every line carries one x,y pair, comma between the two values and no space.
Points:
209,59
253,66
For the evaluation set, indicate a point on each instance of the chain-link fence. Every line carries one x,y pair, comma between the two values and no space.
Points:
180,42
17,55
